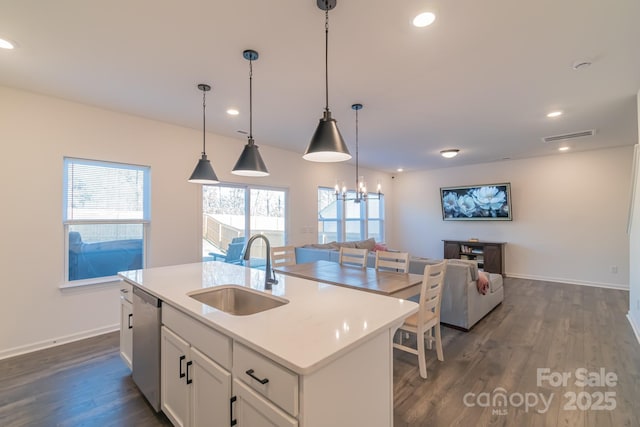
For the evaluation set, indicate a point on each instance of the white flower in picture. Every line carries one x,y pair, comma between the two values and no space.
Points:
467,205
489,198
450,203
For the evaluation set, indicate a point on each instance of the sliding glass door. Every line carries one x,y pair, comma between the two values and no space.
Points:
232,213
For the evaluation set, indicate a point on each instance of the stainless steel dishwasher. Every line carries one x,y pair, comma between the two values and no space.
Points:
146,345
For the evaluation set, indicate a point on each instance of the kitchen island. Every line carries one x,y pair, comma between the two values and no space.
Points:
322,358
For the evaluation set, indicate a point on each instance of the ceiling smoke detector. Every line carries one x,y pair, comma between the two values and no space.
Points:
581,65
565,136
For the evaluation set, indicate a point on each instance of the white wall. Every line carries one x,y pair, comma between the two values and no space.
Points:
634,246
569,215
37,131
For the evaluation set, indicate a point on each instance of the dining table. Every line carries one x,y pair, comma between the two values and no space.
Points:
389,283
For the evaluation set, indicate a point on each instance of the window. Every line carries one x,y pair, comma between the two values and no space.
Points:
347,220
231,213
329,214
106,212
375,218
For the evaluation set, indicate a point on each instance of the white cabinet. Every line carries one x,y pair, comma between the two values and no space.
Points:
195,391
210,392
266,393
174,391
195,381
126,325
267,378
251,409
201,369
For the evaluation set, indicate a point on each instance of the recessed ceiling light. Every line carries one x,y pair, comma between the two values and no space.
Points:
399,170
448,154
6,44
424,19
554,114
565,148
233,112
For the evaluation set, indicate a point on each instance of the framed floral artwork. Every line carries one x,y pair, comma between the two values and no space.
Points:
476,202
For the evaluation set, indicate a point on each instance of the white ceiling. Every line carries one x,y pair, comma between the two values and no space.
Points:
481,78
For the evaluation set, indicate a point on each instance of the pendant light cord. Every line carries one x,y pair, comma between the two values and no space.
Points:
357,175
326,54
204,133
250,101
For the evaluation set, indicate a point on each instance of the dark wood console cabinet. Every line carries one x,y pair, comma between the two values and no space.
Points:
489,255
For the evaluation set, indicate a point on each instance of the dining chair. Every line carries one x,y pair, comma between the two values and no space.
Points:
353,256
283,255
392,261
427,318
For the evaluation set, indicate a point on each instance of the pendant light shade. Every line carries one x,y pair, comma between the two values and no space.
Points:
203,173
250,162
327,144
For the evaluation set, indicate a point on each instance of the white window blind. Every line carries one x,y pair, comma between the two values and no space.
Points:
103,191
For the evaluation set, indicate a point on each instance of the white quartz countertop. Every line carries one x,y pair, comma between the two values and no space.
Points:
320,322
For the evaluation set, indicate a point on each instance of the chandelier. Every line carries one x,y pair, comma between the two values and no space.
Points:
361,193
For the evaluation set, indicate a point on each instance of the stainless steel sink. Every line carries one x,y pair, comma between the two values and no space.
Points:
237,300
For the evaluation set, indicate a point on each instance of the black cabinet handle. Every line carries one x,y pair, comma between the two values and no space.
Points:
129,321
189,380
231,420
261,381
180,367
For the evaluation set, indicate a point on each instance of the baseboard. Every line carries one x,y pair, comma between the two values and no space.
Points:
570,281
17,351
634,326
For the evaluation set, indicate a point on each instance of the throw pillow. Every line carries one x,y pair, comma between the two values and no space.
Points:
368,244
380,247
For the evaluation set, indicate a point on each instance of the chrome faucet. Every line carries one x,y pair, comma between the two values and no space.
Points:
269,280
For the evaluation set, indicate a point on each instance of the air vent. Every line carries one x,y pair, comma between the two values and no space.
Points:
554,138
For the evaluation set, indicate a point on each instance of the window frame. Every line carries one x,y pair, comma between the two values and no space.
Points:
247,206
145,221
340,228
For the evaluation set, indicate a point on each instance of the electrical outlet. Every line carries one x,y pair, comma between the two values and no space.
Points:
614,269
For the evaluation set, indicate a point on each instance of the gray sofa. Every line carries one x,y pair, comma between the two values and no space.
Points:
462,305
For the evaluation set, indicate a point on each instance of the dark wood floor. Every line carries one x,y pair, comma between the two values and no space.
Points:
84,383
539,325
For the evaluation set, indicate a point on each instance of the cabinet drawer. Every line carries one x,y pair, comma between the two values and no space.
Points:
210,342
280,385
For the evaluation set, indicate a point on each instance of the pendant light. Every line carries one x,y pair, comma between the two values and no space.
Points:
327,144
361,193
250,162
203,173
